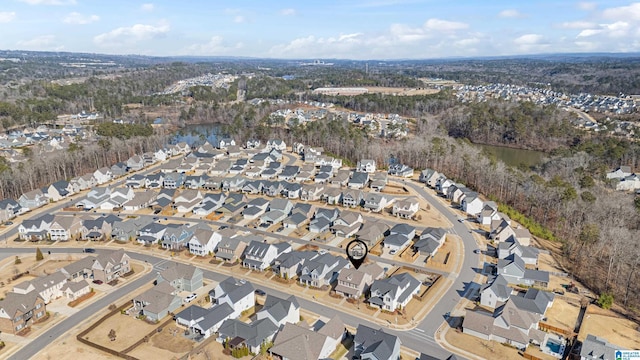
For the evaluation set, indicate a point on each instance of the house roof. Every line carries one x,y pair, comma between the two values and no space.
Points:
80,265
177,271
75,286
398,286
157,299
375,342
279,308
597,348
534,300
253,334
114,257
215,315
235,289
14,302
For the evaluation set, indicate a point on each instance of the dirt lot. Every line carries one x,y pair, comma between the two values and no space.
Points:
167,344
616,330
447,252
213,351
483,348
8,268
400,91
128,331
562,314
71,349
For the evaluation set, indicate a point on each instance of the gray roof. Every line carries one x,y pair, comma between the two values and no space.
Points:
534,300
178,270
279,308
14,302
375,342
436,233
192,313
396,240
295,218
499,287
80,265
253,334
215,315
597,348
257,249
393,284
235,289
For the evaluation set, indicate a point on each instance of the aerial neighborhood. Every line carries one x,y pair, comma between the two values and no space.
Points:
220,226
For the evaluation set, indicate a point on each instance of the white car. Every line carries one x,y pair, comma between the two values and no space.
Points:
190,298
393,251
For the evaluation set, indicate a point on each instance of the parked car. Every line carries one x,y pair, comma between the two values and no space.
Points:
190,298
393,251
9,223
260,292
89,250
99,282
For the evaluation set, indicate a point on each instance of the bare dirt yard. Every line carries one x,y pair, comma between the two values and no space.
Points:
617,330
128,330
71,349
213,351
401,91
483,348
8,268
170,343
563,314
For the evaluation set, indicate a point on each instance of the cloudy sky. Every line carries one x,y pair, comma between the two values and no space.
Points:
353,29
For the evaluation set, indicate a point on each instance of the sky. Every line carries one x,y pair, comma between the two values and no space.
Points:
312,29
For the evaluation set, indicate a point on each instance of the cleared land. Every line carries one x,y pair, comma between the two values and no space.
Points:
483,348
401,91
616,330
128,330
167,344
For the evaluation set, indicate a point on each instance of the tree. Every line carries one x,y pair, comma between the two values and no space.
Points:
586,182
605,301
39,255
17,261
112,335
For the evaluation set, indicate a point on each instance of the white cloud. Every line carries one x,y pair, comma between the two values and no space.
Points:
215,47
43,42
49,2
615,30
239,19
587,5
577,25
406,34
510,13
7,16
623,13
131,35
529,39
288,12
444,25
79,19
147,7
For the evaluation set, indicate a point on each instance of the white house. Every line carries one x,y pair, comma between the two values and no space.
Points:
472,204
394,292
103,175
204,242
239,294
366,165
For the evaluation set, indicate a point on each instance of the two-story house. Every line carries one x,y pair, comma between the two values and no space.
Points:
393,292
111,265
260,255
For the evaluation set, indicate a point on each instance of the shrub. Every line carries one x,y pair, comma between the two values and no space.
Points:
39,255
17,261
605,301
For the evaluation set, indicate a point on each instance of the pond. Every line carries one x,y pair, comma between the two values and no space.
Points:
196,135
514,157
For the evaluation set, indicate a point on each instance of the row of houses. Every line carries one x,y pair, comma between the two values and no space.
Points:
26,303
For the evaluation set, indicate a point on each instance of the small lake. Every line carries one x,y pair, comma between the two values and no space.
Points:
514,157
198,134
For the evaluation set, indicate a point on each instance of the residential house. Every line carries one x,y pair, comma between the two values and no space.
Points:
187,200
103,175
125,231
118,169
443,184
331,195
292,190
239,294
488,214
366,165
629,183
36,229
378,181
289,172
135,163
154,181
157,302
75,289
399,237
359,180
322,270
20,311
9,209
376,202
472,204
311,192
515,272
347,224
279,209
372,233
204,242
280,311
400,170
507,324
135,181
79,269
511,246
111,265
95,198
230,249
173,180
288,265
260,255
141,200
504,231
255,208
32,199
176,236
375,344
252,336
342,178
204,322
58,190
210,203
182,277
65,228
48,287
352,198
430,241
117,198
406,208
429,177
95,229
295,342
597,348
620,173
151,233
495,293
393,292
276,144
353,283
